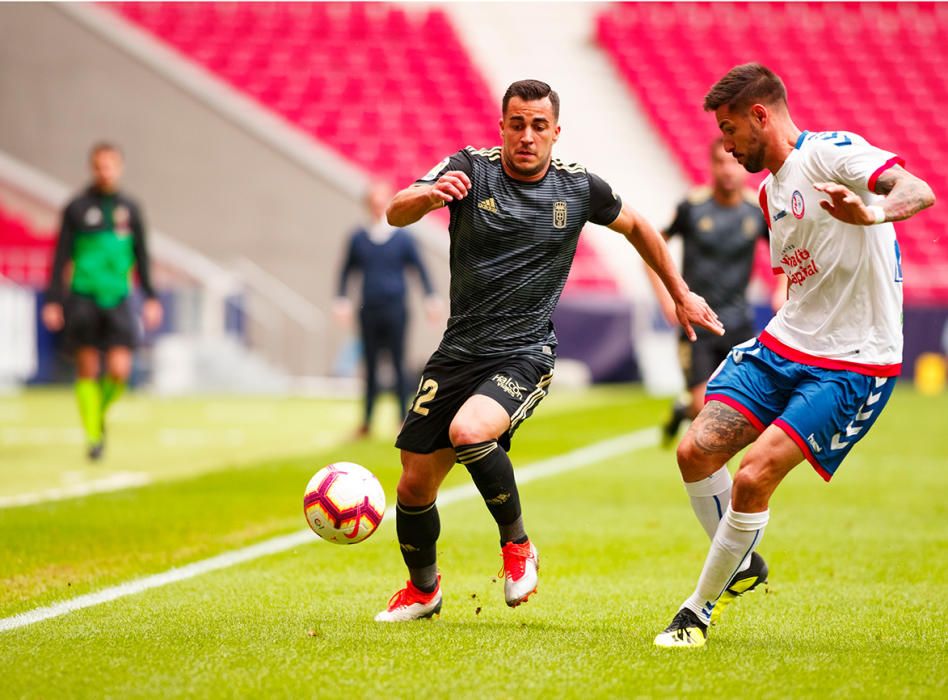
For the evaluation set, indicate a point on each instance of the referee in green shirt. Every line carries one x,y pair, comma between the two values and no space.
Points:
103,237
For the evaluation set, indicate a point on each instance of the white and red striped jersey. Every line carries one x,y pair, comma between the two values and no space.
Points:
845,302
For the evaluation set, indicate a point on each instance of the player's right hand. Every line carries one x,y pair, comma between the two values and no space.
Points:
52,315
342,311
152,314
694,309
451,186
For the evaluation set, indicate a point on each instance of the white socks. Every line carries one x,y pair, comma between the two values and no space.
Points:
737,536
710,498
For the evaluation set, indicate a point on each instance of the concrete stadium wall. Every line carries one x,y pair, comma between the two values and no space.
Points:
203,177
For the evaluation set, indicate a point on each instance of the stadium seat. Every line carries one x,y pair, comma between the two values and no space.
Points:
25,255
311,59
898,105
363,78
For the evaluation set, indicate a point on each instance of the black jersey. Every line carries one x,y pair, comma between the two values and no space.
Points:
512,245
719,245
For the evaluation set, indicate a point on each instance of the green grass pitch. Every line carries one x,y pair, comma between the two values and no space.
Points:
856,605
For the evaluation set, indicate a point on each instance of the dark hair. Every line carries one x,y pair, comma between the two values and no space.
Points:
743,86
101,146
529,90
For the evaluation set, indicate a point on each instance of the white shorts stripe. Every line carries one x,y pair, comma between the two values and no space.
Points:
533,398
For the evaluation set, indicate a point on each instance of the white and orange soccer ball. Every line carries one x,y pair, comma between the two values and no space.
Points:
344,503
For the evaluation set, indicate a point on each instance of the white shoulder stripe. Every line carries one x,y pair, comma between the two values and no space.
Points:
568,167
489,153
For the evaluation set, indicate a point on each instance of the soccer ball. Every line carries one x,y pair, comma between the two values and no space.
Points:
344,503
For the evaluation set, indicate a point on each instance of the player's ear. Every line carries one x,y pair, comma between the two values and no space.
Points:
759,114
556,133
500,125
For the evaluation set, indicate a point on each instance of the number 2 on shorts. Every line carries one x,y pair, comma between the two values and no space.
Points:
427,389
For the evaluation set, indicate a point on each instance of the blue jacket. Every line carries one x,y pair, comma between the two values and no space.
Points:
383,267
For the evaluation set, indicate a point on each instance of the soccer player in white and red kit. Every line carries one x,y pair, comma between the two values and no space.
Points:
815,380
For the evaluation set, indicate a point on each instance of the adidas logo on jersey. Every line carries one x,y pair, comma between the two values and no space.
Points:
488,205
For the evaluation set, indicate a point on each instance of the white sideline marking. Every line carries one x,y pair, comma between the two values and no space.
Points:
538,470
115,482
39,436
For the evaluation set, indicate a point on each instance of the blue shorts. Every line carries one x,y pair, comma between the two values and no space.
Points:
824,411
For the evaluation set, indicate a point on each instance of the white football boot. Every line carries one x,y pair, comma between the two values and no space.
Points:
411,603
521,564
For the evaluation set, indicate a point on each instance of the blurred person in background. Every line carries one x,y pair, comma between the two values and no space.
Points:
516,216
382,254
719,227
816,379
102,237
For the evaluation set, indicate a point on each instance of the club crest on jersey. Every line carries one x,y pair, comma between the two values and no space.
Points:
797,205
749,227
559,214
93,216
121,216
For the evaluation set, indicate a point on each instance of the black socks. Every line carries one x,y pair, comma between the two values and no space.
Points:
418,528
493,474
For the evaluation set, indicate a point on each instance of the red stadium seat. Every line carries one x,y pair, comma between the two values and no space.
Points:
25,256
307,58
898,105
389,88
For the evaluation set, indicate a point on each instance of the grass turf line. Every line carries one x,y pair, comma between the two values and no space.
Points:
539,470
856,607
59,550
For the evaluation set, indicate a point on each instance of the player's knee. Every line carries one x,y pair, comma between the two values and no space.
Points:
691,460
87,363
468,432
747,479
118,364
751,488
415,489
685,452
120,374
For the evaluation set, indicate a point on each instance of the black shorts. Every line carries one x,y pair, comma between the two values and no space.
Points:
90,325
517,382
700,358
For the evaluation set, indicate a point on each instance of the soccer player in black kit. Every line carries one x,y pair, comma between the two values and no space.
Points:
516,215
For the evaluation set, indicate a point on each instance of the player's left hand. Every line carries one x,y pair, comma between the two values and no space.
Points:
844,204
694,309
152,314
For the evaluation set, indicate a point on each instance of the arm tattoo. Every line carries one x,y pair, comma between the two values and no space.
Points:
905,194
720,429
